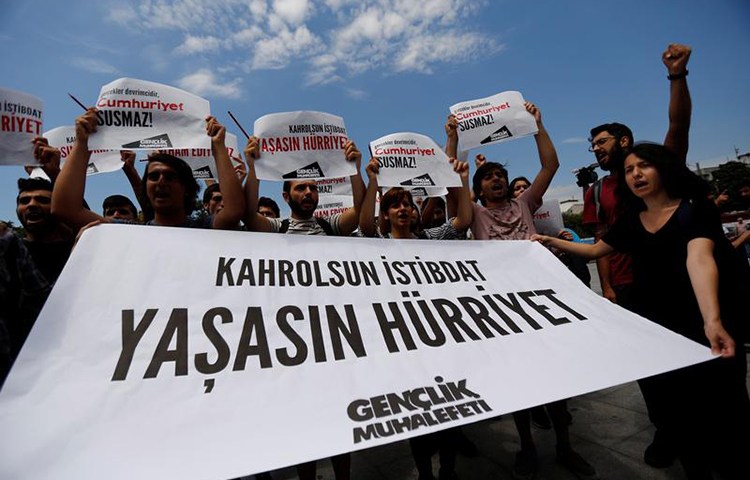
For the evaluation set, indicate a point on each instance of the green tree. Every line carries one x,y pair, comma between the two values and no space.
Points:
574,221
728,178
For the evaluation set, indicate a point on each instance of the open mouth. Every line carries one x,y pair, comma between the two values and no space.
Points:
640,184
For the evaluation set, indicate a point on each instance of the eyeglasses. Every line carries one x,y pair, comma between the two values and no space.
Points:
169,176
599,142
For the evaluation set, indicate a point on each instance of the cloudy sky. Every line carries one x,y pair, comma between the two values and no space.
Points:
393,65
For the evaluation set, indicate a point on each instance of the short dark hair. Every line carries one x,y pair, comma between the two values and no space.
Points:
114,201
513,182
209,192
184,174
30,184
476,183
618,130
393,196
267,202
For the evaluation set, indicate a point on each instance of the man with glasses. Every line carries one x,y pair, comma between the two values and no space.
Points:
611,143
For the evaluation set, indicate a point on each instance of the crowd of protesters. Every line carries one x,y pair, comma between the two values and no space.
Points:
659,247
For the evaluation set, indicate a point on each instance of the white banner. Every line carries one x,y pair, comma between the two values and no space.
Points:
330,204
493,119
412,160
202,161
101,161
20,122
272,350
334,196
140,115
302,145
548,218
334,186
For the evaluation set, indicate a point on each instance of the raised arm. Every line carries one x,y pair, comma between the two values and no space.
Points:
464,212
48,158
547,155
675,58
704,277
231,188
67,195
451,133
128,168
367,223
254,221
350,218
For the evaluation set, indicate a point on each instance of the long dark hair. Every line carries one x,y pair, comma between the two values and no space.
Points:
676,177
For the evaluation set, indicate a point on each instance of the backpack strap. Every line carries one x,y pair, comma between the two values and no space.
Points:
325,225
322,222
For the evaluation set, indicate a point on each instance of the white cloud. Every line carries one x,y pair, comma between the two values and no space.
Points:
94,66
294,12
192,45
122,15
575,140
204,83
353,37
564,192
356,94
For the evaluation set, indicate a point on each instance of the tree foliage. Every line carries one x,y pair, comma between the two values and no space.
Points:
728,178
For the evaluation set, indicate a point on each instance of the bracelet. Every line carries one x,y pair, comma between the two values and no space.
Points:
678,76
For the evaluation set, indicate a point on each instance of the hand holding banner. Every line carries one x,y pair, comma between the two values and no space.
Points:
140,115
412,160
20,122
301,145
160,371
548,219
202,161
492,120
101,161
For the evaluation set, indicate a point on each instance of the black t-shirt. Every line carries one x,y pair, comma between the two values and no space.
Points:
663,291
50,257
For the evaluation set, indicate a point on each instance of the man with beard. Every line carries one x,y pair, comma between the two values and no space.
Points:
611,143
302,198
48,241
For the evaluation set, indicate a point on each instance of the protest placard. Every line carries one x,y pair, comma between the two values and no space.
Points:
409,159
141,115
548,218
493,119
202,161
20,122
279,349
334,196
101,161
302,145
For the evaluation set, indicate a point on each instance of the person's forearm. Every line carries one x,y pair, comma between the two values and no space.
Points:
349,220
231,189
680,110
704,278
367,210
465,212
546,149
135,184
67,195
